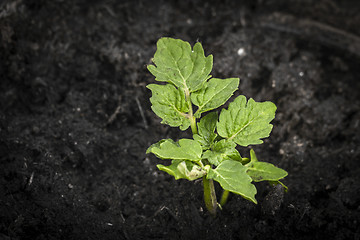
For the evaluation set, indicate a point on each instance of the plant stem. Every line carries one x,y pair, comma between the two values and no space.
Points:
209,196
193,124
191,113
209,189
224,198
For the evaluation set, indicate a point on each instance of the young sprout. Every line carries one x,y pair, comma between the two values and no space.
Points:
187,94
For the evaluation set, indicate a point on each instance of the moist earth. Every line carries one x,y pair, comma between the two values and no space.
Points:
75,118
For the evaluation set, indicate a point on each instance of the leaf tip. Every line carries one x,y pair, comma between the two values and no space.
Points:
253,156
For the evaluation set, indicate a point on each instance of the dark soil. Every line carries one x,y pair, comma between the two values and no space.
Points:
75,118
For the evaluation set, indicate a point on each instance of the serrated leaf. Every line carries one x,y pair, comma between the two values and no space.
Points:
176,63
206,130
183,169
214,94
232,177
220,151
184,149
169,104
246,122
263,171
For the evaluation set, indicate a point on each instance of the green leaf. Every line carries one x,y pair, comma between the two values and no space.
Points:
185,149
183,169
222,150
232,177
169,104
246,122
263,171
214,94
206,130
176,63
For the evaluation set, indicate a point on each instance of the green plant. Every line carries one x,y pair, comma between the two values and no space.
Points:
211,154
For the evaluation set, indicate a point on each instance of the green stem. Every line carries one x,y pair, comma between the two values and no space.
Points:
209,196
191,113
193,124
224,198
209,189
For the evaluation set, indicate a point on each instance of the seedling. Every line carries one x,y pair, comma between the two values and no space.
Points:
188,93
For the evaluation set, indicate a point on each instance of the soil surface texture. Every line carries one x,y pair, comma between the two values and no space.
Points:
75,118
